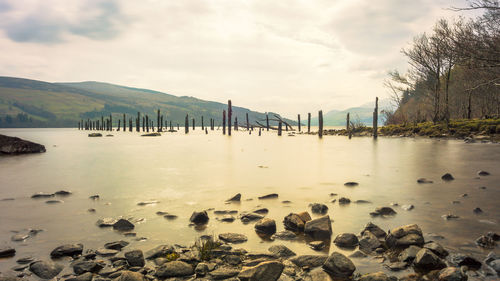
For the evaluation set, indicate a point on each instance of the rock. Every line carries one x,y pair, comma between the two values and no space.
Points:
339,266
351,183
348,240
447,177
374,229
144,203
82,266
309,260
405,236
317,245
7,252
450,216
427,260
42,195
233,237
123,225
495,265
106,252
94,135
82,277
437,249
464,260
135,258
485,242
284,235
130,276
25,260
424,180
117,245
170,217
46,269
318,208
235,198
261,211
248,217
199,217
54,201
320,228
94,197
452,274
397,266
155,134
369,242
408,207
384,211
409,254
159,251
13,145
227,218
20,267
223,273
357,254
377,276
304,216
265,271
362,202
106,222
294,222
281,251
67,250
266,226
62,193
344,200
174,269
19,237
483,173
201,269
493,236
269,196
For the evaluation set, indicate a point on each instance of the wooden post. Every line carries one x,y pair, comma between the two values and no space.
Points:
236,123
320,120
178,127
248,123
143,123
348,126
111,122
375,119
223,122
206,131
308,122
259,131
202,123
119,125
147,123
102,123
186,124
130,124
171,128
298,117
279,128
161,124
267,122
158,120
193,124
229,114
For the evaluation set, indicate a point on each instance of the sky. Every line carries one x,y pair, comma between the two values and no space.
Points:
293,56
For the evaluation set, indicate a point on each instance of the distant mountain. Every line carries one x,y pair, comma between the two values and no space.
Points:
31,103
362,113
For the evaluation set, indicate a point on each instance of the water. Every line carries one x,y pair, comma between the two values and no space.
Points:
194,172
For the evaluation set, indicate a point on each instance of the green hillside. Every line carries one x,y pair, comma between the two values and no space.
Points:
31,103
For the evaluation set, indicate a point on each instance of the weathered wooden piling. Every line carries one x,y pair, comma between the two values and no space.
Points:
236,123
267,122
202,123
111,122
178,128
375,119
298,117
119,125
279,128
147,123
130,124
309,122
102,123
186,124
193,124
248,123
206,131
223,122
161,124
158,120
320,121
143,123
229,114
259,131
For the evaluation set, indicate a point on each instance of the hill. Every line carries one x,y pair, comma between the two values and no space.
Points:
31,103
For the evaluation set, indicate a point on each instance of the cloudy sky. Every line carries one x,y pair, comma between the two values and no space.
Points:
290,56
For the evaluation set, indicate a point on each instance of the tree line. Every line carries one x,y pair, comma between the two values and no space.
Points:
454,70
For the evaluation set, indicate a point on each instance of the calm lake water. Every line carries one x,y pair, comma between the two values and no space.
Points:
187,173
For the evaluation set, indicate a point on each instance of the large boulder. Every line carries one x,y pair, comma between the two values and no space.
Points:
67,250
135,258
265,271
266,226
339,266
199,217
405,236
13,145
320,228
174,269
46,269
348,240
427,260
452,274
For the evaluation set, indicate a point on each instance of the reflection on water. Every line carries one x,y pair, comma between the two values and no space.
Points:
197,171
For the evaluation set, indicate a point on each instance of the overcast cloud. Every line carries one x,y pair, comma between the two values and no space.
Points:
293,56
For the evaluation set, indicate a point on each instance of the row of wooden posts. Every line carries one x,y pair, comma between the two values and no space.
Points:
148,124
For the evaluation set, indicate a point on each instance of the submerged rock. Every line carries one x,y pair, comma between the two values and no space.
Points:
13,145
483,173
105,222
269,196
318,208
42,195
127,275
384,211
46,269
344,200
63,193
424,180
447,177
284,235
156,134
351,183
317,245
67,250
235,198
123,225
199,217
